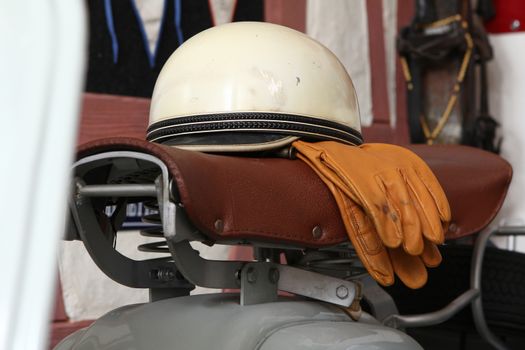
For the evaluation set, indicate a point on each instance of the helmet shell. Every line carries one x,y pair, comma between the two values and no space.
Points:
249,86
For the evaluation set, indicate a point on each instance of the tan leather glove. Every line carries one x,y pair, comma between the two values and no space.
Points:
394,187
380,262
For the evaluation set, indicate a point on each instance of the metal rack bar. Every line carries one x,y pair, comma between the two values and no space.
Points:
118,190
436,317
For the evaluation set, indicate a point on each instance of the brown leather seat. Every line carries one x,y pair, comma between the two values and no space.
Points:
283,201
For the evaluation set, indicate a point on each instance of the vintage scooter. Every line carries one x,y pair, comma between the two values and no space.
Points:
196,196
231,88
299,240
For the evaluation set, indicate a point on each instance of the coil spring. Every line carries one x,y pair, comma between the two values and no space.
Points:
343,267
154,231
341,261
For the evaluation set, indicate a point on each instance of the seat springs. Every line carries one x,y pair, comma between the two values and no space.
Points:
338,261
341,262
155,230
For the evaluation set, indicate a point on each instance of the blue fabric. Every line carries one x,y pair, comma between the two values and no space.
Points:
164,11
151,55
177,21
111,29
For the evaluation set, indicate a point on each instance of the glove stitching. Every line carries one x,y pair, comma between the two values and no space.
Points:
296,237
378,248
384,279
438,203
425,215
404,178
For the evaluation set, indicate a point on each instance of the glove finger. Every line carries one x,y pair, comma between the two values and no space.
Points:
431,256
430,181
409,268
425,206
399,198
423,172
365,240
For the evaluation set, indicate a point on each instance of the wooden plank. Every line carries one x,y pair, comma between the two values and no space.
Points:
380,106
381,132
290,13
405,12
111,115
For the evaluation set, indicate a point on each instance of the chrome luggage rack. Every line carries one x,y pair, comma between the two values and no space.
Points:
334,275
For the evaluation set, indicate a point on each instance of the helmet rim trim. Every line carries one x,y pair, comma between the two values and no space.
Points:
259,122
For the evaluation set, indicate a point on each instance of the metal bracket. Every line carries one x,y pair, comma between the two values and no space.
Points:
202,272
225,274
129,272
433,318
254,288
381,303
316,286
259,283
152,273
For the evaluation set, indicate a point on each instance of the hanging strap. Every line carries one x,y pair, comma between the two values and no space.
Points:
432,135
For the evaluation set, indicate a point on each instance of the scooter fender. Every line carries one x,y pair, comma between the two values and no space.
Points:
217,321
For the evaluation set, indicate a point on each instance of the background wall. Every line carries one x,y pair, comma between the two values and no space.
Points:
349,29
506,74
343,28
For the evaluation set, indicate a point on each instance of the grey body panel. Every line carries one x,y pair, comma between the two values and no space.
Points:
337,336
217,321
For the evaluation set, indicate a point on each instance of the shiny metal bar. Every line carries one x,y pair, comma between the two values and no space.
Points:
475,282
433,318
118,190
510,231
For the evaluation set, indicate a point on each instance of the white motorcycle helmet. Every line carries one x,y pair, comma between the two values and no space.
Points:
252,86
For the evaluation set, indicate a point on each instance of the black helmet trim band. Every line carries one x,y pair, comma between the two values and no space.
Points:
287,124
